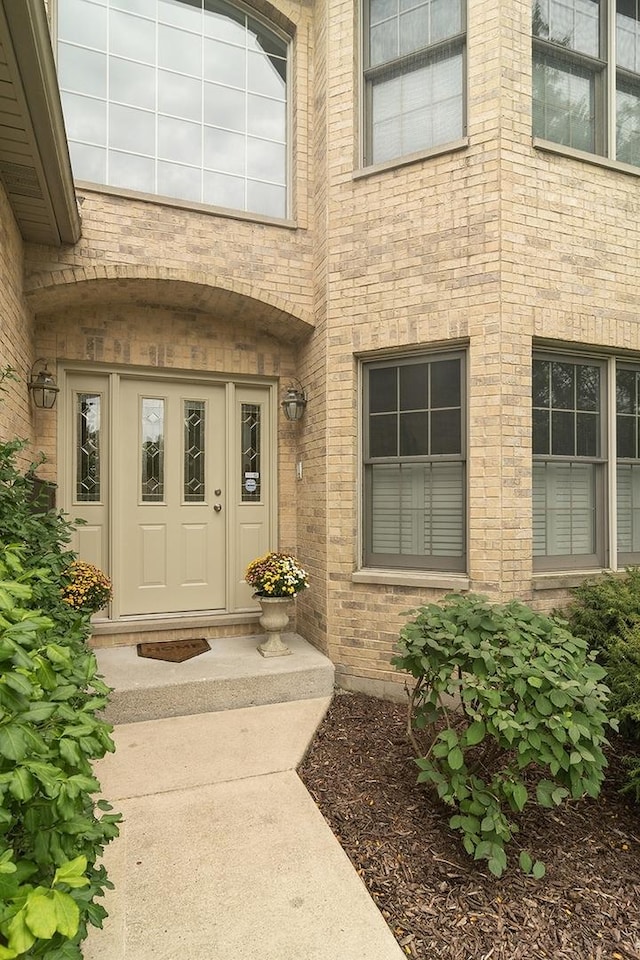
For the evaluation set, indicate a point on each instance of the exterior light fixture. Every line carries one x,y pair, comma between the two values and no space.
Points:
42,386
295,402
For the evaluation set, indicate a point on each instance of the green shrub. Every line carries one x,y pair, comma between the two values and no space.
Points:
50,834
500,689
605,608
606,613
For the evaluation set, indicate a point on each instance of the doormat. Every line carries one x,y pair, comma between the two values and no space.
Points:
174,651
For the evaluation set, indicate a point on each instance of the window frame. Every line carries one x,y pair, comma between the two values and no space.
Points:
599,558
287,36
414,562
608,77
422,57
628,558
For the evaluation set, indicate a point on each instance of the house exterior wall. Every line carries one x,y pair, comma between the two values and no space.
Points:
488,247
16,340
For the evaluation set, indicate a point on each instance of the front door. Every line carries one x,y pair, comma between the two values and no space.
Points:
171,452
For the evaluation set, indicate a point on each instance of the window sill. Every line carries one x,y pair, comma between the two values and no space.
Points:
547,146
412,578
565,580
85,187
438,151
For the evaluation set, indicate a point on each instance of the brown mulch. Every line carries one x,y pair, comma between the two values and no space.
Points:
441,905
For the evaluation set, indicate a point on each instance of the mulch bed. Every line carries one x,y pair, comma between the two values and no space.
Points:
439,903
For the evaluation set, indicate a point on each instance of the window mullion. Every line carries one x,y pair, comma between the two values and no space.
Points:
612,465
611,78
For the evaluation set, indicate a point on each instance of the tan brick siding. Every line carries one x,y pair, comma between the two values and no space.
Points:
487,247
16,344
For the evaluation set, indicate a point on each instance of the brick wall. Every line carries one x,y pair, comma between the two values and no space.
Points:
488,247
16,346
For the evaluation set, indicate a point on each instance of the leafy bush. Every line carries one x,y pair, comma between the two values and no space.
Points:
500,689
606,613
50,836
604,609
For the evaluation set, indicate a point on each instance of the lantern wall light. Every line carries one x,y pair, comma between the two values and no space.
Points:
295,401
42,385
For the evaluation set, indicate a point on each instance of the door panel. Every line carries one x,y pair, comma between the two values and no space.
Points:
252,483
87,476
172,542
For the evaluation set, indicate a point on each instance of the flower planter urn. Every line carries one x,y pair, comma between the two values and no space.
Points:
275,617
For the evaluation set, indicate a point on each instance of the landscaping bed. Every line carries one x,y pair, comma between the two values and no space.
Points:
440,904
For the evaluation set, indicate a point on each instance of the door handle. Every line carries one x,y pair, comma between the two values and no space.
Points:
217,507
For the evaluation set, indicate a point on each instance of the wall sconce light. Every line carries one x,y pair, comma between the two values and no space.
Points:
295,402
42,386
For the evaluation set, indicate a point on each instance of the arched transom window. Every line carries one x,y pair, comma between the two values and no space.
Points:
178,98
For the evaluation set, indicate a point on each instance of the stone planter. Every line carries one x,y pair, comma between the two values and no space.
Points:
275,617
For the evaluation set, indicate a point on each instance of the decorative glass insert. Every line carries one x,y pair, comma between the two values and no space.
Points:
194,451
181,98
152,471
250,444
88,447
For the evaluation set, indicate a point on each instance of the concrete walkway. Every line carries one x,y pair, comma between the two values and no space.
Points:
223,854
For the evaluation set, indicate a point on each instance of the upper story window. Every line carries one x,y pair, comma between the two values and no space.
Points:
586,75
178,98
414,76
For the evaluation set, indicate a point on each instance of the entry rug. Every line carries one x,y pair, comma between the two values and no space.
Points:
174,651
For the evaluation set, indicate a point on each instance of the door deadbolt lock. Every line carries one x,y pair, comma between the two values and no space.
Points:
217,492
217,507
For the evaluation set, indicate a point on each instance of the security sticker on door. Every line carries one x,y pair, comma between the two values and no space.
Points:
251,482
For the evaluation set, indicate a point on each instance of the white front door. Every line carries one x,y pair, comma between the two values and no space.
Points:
172,541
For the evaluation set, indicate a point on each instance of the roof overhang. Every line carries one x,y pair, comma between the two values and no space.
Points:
35,168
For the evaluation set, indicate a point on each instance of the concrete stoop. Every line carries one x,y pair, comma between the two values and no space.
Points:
230,676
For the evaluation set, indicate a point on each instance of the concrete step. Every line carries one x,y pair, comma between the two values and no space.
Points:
230,676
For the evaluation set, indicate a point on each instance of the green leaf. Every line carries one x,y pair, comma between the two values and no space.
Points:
519,796
41,915
496,867
72,873
535,682
13,744
22,786
475,733
39,712
455,758
526,863
67,914
19,936
543,705
539,870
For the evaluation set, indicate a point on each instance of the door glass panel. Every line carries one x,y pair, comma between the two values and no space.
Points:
250,452
88,447
194,451
152,472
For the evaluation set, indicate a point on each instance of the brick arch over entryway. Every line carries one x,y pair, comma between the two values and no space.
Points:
183,289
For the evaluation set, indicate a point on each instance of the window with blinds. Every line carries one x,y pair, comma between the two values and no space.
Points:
414,463
414,75
586,76
628,463
569,467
